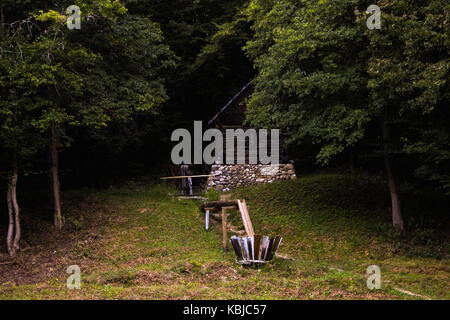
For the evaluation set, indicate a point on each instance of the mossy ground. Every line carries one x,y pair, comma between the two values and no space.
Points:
137,242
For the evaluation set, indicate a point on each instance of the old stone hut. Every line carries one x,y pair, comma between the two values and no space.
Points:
228,176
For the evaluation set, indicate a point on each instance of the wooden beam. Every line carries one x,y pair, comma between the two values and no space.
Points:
247,217
257,247
181,177
224,230
218,204
244,220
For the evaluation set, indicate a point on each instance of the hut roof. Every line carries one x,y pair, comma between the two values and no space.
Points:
232,101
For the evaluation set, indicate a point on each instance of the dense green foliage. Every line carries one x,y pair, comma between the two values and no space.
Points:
209,71
54,77
327,79
109,93
110,70
105,98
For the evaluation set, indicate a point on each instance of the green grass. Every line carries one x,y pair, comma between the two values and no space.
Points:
148,245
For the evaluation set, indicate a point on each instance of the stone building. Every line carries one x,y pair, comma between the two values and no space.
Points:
228,176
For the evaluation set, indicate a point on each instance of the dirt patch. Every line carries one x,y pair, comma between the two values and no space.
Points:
47,252
218,272
145,277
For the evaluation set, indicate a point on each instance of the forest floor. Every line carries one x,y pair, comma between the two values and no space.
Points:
137,242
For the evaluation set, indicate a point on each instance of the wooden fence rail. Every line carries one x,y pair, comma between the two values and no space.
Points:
195,176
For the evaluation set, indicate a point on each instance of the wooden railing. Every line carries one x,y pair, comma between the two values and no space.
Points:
195,176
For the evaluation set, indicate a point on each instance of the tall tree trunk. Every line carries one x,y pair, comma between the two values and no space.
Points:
16,208
10,234
13,235
58,218
397,219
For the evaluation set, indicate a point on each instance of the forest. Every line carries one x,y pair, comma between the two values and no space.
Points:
91,91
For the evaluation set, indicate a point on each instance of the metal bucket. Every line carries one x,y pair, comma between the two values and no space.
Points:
255,250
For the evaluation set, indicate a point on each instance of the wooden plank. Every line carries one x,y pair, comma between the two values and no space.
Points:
278,244
257,247
191,198
269,248
181,177
275,245
247,217
244,220
237,248
224,230
246,248
244,217
264,244
244,253
219,204
250,248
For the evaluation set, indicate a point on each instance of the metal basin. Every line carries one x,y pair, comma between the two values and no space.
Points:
255,250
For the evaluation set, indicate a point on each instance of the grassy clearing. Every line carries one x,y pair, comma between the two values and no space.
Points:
136,242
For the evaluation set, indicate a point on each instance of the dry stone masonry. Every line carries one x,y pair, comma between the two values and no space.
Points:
227,177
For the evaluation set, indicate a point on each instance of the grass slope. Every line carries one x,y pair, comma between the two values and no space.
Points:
136,242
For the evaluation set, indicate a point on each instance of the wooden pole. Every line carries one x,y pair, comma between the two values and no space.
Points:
247,217
244,220
181,177
224,230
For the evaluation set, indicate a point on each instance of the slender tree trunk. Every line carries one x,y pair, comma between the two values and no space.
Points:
10,234
397,219
16,208
13,235
58,218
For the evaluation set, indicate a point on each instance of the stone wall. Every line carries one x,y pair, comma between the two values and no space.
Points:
226,177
